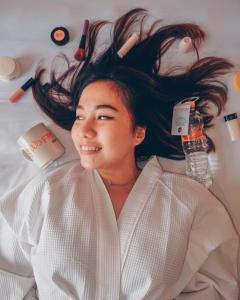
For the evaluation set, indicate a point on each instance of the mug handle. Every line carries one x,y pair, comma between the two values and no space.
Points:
26,156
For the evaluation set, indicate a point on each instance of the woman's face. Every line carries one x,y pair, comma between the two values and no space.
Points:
103,132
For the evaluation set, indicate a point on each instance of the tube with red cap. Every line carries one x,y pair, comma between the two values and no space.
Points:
21,91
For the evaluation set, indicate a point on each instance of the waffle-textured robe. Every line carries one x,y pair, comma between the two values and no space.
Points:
60,239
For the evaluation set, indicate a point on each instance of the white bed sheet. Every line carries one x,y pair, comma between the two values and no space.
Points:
24,34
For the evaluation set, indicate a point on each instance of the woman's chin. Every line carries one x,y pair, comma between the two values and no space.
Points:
86,164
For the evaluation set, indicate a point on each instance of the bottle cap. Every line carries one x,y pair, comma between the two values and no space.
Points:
192,104
230,117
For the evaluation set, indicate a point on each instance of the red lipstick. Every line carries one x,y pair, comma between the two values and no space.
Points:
80,53
21,91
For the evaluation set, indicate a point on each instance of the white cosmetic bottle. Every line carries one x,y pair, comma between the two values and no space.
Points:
233,125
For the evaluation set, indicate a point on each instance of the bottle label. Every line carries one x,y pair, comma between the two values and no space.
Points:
180,119
194,134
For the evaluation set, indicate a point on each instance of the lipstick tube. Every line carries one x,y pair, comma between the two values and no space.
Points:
47,86
21,91
80,53
128,45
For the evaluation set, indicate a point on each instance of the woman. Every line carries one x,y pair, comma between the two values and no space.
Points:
104,227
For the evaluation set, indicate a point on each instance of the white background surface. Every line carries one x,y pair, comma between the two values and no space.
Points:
25,28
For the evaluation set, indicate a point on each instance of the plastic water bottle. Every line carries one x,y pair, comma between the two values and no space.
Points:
195,148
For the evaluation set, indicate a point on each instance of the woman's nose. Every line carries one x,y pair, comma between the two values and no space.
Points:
87,130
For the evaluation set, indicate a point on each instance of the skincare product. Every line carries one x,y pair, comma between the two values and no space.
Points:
9,68
233,125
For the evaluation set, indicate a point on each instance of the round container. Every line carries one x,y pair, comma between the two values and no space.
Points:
9,68
233,125
60,36
236,81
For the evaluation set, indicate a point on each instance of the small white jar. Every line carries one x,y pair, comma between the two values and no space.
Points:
9,68
185,44
233,124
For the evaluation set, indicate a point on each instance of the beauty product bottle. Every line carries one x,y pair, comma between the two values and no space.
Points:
195,146
21,91
9,68
185,44
233,125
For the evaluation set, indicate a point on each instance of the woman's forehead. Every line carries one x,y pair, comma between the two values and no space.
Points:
102,92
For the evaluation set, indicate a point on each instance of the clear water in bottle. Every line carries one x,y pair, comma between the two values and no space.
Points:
195,148
197,167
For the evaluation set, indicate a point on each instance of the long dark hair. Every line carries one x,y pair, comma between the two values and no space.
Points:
150,94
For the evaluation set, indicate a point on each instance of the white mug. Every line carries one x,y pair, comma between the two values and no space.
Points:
40,146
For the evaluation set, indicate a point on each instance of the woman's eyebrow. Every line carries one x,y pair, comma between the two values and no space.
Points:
100,106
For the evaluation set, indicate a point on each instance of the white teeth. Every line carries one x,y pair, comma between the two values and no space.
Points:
86,148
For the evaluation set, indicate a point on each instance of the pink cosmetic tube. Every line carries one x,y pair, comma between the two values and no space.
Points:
128,45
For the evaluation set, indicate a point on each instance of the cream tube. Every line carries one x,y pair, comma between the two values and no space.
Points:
127,46
233,126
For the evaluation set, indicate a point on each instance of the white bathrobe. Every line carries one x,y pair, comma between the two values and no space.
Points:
60,239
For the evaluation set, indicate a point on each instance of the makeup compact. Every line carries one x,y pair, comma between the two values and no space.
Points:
60,36
9,68
236,81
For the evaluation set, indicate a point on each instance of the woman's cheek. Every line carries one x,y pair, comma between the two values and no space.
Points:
74,134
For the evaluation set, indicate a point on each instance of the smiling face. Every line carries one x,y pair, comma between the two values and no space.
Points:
103,132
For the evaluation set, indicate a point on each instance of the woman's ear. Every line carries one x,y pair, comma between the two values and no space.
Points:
140,133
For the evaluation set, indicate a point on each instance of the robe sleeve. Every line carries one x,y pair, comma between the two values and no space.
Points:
215,279
20,217
211,266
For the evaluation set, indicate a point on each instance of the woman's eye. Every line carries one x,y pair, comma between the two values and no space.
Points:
104,118
79,118
101,117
